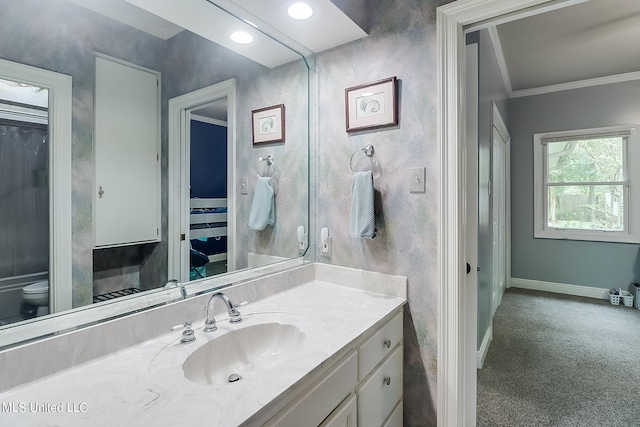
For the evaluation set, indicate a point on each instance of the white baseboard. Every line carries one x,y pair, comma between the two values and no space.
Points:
484,347
559,288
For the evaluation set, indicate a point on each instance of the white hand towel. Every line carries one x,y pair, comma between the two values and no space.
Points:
263,206
362,219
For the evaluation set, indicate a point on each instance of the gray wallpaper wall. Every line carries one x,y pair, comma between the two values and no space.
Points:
402,43
192,63
596,264
288,85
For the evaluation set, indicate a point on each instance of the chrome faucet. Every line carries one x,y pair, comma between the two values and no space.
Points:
234,314
173,283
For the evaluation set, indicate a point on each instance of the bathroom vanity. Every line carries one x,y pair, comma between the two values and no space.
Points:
326,349
373,369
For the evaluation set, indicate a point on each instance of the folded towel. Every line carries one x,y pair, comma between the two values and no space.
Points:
263,207
362,219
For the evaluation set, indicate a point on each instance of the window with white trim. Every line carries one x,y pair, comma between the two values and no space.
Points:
584,188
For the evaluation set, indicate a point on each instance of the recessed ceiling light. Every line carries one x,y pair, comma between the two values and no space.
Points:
300,11
241,37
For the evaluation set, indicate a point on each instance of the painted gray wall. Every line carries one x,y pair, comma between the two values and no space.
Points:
597,264
490,89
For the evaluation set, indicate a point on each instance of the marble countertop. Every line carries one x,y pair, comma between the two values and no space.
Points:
145,384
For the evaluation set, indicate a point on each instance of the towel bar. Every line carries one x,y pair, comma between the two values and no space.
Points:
269,160
368,151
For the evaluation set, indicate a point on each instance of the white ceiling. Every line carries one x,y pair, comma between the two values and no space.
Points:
327,28
133,16
590,40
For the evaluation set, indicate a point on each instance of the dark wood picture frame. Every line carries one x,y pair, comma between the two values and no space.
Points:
372,105
268,124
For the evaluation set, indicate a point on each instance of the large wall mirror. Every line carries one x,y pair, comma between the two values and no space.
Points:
208,164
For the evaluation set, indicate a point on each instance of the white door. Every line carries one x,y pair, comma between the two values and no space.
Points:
499,178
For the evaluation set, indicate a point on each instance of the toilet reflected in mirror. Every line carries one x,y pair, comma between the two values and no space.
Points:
37,294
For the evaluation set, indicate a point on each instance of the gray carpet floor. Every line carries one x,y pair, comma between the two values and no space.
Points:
561,361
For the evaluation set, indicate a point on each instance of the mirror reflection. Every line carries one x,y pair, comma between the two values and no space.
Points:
208,191
24,196
122,207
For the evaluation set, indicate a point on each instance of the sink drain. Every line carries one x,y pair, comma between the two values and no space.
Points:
233,378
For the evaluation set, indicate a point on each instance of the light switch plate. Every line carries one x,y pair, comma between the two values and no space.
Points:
417,178
244,186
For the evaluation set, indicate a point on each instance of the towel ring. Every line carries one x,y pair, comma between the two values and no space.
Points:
368,151
269,160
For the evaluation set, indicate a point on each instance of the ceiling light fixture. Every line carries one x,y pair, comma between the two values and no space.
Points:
300,11
241,37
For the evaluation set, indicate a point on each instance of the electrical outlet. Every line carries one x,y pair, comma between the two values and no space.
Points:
326,248
325,243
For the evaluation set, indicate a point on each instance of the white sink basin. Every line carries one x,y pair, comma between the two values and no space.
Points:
246,352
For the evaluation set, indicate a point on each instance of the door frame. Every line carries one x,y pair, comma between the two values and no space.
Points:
180,109
60,208
472,216
456,401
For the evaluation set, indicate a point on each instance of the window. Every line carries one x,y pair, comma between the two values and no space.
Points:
583,186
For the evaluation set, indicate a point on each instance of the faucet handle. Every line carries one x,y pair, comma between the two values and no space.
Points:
234,313
188,335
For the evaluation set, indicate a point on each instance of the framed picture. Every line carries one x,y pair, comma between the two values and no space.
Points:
372,105
268,124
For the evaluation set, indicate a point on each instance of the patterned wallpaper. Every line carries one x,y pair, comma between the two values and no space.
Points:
402,43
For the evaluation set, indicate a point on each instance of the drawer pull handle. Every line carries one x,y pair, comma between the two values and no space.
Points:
387,380
387,343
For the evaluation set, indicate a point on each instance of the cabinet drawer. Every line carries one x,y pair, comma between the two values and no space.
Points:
315,404
395,420
379,345
344,416
380,393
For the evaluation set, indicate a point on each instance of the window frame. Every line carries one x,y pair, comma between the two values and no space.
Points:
631,191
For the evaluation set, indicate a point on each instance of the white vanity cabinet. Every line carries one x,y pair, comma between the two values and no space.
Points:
364,388
126,154
313,405
381,391
380,374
